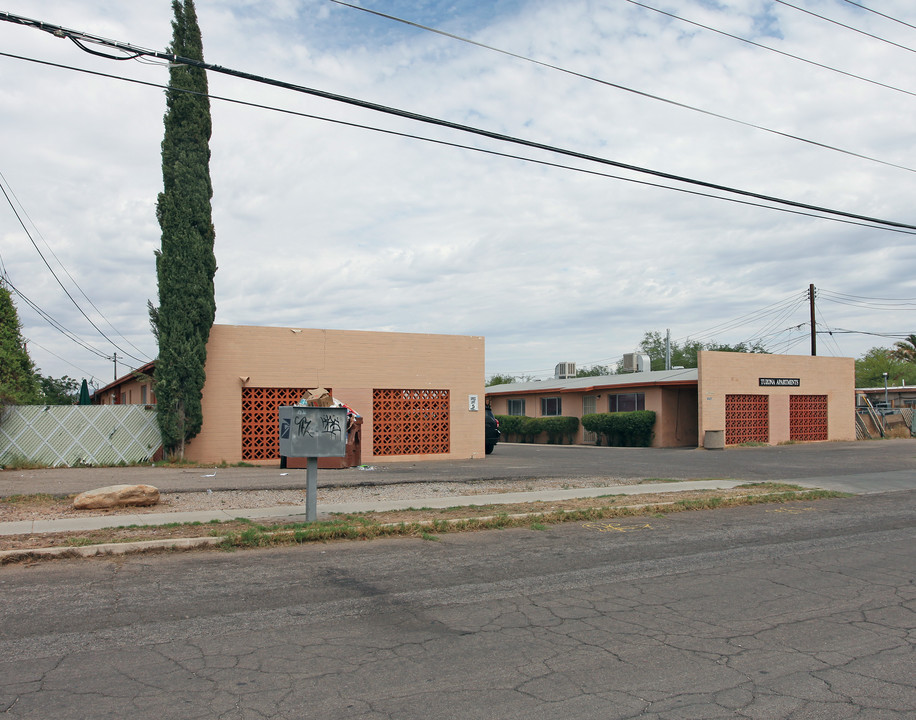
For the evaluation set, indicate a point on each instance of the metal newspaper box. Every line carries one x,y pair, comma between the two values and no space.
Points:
313,432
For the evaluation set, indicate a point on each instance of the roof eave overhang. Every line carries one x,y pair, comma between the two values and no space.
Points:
593,388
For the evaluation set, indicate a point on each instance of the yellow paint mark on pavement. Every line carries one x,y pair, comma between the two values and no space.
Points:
612,527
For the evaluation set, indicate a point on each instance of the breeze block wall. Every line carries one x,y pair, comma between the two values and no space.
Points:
352,364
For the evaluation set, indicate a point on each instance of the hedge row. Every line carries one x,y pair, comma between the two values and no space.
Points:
622,429
527,429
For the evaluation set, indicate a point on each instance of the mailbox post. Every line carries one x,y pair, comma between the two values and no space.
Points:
312,432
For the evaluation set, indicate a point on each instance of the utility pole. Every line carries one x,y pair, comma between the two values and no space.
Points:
116,366
813,327
667,349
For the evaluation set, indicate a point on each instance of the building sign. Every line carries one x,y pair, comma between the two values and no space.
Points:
780,382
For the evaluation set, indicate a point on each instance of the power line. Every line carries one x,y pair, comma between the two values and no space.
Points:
438,122
86,373
64,268
828,331
843,25
66,292
462,146
901,335
896,20
617,86
55,324
772,49
895,301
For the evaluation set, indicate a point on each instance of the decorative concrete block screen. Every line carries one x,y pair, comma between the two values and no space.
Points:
747,419
410,422
70,435
807,417
260,420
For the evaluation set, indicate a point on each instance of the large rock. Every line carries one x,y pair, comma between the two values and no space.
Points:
117,496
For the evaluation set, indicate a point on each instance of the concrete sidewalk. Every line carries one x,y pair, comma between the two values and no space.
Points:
293,512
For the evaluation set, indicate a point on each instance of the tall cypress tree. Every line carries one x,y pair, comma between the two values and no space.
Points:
185,263
18,380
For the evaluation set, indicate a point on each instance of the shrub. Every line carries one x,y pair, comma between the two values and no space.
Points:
529,429
510,425
559,429
623,429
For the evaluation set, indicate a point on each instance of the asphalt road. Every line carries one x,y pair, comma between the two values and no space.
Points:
790,611
869,460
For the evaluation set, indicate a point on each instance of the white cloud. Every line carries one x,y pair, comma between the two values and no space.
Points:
329,226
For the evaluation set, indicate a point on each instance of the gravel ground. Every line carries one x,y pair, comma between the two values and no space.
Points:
44,507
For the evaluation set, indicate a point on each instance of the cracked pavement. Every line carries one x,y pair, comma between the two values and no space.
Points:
797,611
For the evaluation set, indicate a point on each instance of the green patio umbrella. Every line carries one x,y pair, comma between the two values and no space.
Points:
84,393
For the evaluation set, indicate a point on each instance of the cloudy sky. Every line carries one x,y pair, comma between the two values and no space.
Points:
327,225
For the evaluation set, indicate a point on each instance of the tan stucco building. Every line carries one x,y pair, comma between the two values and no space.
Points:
135,388
420,396
743,397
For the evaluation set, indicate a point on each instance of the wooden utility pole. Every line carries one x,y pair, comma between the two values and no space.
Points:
813,327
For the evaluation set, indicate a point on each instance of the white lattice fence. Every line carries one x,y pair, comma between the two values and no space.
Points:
71,435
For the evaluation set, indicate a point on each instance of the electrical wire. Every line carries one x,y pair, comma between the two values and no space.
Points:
848,27
772,49
774,308
617,86
91,376
461,146
827,331
62,287
438,122
900,335
64,268
867,305
886,226
896,20
871,302
55,324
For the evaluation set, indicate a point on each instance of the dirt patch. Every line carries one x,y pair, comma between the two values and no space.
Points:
217,529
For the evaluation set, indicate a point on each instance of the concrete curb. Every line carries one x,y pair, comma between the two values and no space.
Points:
193,543
127,548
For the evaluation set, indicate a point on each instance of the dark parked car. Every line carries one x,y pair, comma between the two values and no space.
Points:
492,430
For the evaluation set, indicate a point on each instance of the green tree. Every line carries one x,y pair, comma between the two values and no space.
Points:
59,391
18,381
686,354
905,350
185,262
501,380
870,369
594,371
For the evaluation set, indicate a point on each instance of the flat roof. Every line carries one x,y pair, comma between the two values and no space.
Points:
686,376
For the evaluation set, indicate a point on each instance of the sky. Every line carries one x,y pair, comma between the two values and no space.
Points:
551,258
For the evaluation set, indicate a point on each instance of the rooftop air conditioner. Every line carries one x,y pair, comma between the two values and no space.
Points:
636,362
565,370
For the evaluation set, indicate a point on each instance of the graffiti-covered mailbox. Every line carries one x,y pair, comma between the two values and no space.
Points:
313,432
